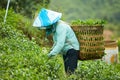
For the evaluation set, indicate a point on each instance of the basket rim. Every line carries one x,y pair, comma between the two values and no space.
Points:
87,25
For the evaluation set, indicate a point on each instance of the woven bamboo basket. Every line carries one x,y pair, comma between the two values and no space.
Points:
91,41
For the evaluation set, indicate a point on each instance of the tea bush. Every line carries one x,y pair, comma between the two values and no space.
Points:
28,66
22,59
24,25
97,70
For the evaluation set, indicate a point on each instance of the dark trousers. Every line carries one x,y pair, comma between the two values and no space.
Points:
70,60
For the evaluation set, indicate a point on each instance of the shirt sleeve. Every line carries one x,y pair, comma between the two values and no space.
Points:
60,36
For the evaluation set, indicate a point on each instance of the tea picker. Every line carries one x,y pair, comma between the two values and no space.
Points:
65,41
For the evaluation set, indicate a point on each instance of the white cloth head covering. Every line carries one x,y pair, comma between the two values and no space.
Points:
46,18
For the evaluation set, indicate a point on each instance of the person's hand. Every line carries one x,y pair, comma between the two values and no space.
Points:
50,55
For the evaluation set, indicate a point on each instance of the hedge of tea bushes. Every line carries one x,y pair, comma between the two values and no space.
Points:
23,59
24,25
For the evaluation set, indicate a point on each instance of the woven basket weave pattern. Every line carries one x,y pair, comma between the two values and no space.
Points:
91,41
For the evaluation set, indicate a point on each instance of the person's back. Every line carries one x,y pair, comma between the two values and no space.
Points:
67,37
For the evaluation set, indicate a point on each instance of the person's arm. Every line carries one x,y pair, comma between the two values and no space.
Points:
61,35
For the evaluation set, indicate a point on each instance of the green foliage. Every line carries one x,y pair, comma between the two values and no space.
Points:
11,40
97,70
118,44
107,10
12,19
88,22
25,7
29,65
85,9
24,25
23,59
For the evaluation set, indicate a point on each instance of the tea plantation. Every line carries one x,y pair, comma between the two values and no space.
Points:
21,58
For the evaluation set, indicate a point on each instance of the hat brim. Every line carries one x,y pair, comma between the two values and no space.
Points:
46,18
